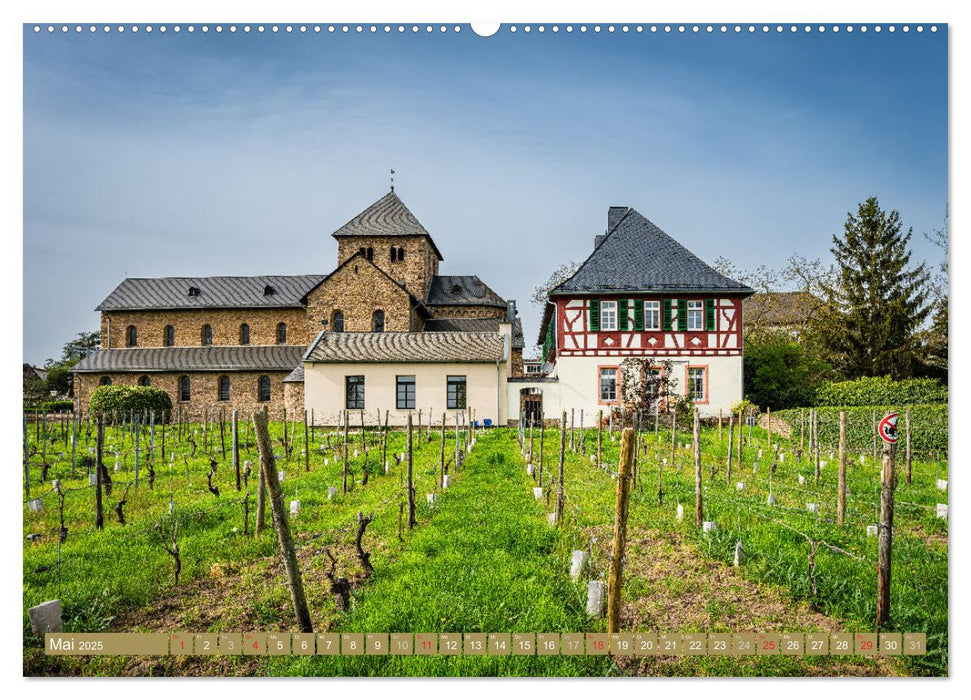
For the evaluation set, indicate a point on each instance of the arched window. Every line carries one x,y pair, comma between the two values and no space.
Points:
106,381
144,380
338,324
264,388
244,334
378,321
185,390
394,254
168,336
281,334
131,337
224,388
206,335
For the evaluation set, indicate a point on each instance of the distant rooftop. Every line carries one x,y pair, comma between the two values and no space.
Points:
264,291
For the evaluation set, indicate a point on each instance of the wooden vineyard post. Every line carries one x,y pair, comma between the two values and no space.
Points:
261,495
138,422
347,416
411,487
696,440
719,425
815,444
287,551
907,444
26,461
306,442
99,513
559,485
841,494
235,438
441,453
738,453
674,427
802,432
572,437
731,434
542,434
600,436
873,427
885,544
768,417
615,581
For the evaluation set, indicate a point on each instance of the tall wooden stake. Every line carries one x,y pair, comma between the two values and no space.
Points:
841,494
411,487
696,445
347,416
235,436
731,434
615,581
287,551
888,485
99,513
306,442
559,485
907,444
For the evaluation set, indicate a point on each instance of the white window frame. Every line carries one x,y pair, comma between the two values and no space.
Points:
604,305
652,310
600,385
704,389
696,312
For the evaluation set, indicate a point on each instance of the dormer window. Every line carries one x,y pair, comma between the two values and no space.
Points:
268,291
193,291
456,289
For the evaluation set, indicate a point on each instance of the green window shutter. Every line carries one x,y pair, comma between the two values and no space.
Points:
622,313
638,315
595,314
682,314
709,314
666,314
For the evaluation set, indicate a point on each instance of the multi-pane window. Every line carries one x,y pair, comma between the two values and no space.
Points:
696,383
652,315
406,391
207,334
224,388
608,384
654,380
144,380
338,324
264,388
608,315
185,391
131,337
281,334
244,334
168,337
354,392
696,315
455,391
378,321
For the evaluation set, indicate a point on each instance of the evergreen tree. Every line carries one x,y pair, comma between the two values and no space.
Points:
877,302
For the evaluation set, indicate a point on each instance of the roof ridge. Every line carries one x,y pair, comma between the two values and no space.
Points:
595,249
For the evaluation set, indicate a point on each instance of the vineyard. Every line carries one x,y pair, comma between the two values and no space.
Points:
484,550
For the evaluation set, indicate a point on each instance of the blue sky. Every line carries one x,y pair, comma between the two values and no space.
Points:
214,154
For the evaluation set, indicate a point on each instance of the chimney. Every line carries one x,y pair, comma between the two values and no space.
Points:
511,311
614,214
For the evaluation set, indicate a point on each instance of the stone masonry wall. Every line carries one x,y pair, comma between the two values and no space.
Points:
419,266
467,311
243,396
188,324
357,290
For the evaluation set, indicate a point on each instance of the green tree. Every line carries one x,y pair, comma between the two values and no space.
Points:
877,303
82,345
781,372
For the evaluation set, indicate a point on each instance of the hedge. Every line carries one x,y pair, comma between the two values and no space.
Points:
881,391
141,400
928,426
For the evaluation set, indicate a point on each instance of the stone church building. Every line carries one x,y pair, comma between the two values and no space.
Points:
384,331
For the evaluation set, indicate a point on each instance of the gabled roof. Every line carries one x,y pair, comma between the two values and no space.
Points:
386,217
296,375
358,257
637,256
141,293
461,290
476,325
214,358
406,347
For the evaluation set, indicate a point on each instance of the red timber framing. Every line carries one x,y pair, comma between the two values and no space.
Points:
574,339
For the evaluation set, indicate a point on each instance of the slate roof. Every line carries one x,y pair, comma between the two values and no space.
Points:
480,325
296,375
406,347
386,217
138,293
637,256
461,290
214,358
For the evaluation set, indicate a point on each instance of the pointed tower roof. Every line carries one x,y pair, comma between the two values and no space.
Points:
637,256
386,217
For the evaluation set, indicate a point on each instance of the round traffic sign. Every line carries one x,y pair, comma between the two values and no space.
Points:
888,427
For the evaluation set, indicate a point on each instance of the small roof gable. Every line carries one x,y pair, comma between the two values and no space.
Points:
637,256
358,257
386,217
461,290
264,291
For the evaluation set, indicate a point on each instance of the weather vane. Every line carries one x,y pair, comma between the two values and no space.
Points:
392,179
